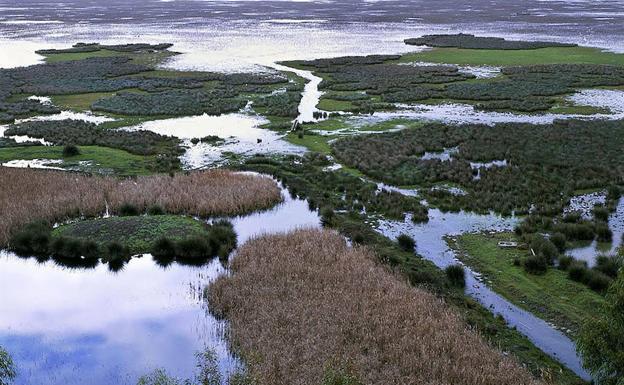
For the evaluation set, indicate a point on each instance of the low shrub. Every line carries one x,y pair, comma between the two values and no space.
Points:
559,240
32,239
456,275
222,238
406,242
601,213
536,264
116,250
578,271
193,247
155,210
564,262
603,232
607,265
327,215
164,248
128,210
597,281
71,150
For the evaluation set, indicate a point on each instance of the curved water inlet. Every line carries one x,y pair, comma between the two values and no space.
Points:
431,244
311,94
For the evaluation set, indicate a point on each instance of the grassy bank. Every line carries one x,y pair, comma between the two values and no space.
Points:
493,57
103,160
551,296
334,313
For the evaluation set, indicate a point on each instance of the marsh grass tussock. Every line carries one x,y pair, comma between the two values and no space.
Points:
304,304
29,195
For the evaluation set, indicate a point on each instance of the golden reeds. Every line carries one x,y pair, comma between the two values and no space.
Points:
304,302
27,195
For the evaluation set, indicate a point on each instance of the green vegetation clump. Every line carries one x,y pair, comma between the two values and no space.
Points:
456,275
601,340
71,150
406,242
545,164
174,103
7,368
94,47
468,41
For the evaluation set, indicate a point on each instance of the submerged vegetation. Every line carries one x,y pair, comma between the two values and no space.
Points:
360,319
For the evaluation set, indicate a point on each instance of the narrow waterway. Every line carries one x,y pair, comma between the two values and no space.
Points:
431,245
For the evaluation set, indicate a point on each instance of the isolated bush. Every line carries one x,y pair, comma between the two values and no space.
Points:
193,247
559,240
164,248
578,271
406,242
598,281
128,210
116,250
456,275
71,150
536,264
601,213
32,239
222,238
603,232
608,265
155,210
564,262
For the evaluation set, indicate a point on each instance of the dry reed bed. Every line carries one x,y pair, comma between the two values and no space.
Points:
301,301
27,195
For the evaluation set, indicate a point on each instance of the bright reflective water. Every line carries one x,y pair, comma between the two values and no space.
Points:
92,326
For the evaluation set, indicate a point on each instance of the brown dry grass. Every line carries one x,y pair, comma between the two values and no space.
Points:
27,195
302,301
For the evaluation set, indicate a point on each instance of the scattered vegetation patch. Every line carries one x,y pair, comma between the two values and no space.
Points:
545,164
550,295
468,41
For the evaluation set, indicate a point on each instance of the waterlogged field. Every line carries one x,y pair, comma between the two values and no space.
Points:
395,151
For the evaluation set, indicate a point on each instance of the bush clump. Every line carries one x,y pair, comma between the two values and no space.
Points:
71,150
536,264
128,210
406,242
456,275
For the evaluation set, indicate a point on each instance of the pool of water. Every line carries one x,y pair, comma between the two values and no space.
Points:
92,326
241,134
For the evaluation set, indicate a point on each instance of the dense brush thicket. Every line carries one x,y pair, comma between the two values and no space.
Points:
338,190
174,102
284,104
79,132
468,41
545,163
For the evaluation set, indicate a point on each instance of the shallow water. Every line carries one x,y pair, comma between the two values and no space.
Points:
241,133
92,326
431,245
591,251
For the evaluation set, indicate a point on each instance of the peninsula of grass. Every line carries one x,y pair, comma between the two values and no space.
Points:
494,57
137,233
94,159
551,296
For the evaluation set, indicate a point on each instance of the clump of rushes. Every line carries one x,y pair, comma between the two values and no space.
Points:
33,239
406,242
261,301
164,248
155,210
71,150
456,275
28,195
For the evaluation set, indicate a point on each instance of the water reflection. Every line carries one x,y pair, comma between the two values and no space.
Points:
92,326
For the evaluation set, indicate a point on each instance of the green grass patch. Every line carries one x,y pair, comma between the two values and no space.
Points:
145,58
101,159
553,55
138,233
335,105
551,296
316,143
